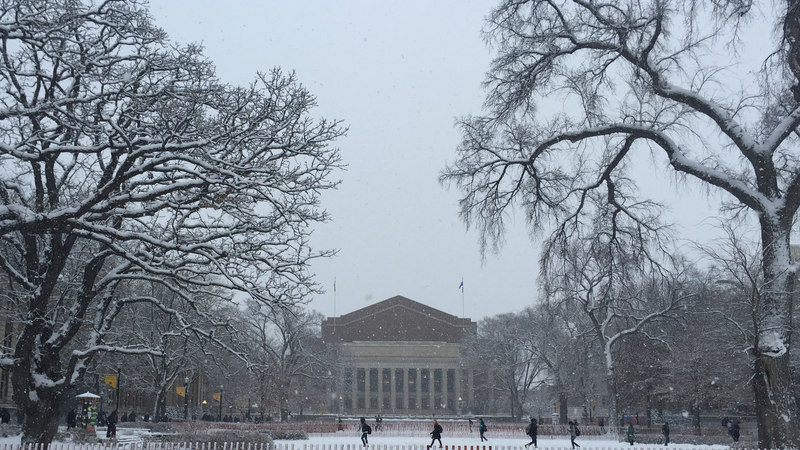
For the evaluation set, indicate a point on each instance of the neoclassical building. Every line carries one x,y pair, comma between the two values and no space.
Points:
399,356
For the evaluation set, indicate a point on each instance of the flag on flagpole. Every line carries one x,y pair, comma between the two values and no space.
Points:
461,286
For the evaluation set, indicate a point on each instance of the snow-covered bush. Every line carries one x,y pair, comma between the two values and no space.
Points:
292,435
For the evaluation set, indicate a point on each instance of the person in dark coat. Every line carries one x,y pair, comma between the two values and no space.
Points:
573,433
72,418
365,430
436,434
665,432
111,420
533,432
601,423
735,430
630,433
482,429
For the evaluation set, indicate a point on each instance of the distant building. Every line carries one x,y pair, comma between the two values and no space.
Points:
399,356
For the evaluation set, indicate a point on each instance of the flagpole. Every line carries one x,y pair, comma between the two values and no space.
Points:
334,296
463,313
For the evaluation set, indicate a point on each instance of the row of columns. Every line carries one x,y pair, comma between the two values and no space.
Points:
409,399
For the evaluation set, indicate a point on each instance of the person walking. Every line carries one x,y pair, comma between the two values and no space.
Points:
482,429
436,434
601,423
532,431
574,432
72,418
470,424
665,432
735,430
630,432
111,428
365,430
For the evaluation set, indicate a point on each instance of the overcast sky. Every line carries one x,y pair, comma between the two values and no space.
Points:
398,74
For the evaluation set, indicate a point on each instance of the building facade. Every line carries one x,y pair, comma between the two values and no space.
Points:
401,357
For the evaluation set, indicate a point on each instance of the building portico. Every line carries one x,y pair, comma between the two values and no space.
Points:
399,357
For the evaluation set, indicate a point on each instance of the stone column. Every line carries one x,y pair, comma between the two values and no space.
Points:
419,390
405,390
445,392
457,384
380,390
392,389
367,393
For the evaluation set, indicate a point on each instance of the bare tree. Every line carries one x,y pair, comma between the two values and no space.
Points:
512,368
550,338
614,287
291,364
647,76
124,159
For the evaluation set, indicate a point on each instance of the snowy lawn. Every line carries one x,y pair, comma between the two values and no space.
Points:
467,442
343,441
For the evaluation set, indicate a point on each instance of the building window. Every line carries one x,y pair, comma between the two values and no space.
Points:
412,402
398,380
361,379
437,403
451,380
373,380
412,380
387,403
426,403
387,380
373,403
425,381
361,404
348,402
398,402
437,380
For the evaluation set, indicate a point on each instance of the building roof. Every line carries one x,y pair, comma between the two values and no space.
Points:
397,319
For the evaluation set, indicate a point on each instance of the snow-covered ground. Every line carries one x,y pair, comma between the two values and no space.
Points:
467,442
353,442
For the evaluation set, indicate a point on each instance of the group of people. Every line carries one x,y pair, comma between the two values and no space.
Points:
532,430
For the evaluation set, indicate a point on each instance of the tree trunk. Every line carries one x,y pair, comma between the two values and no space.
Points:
38,403
775,404
40,407
613,411
776,409
161,406
562,410
41,420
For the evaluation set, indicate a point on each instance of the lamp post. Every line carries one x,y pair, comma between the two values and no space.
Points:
119,378
220,403
185,398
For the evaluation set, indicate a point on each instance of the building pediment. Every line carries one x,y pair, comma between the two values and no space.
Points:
397,319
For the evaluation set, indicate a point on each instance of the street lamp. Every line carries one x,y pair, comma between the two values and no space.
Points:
185,398
119,378
220,403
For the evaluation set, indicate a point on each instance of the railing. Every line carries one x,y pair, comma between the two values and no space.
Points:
294,446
